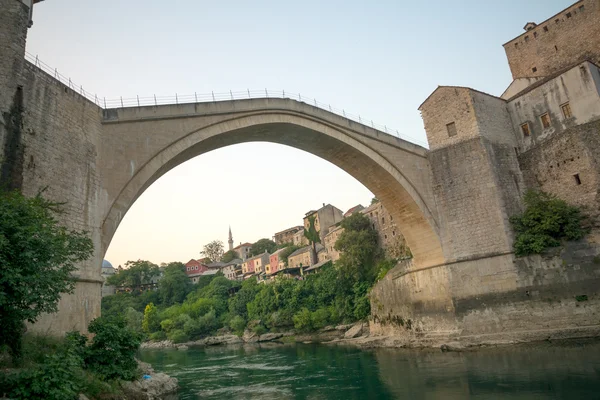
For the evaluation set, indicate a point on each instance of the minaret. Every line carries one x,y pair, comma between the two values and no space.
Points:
230,239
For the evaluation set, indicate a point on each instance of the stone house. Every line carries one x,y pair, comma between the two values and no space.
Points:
243,250
299,239
260,262
303,257
389,236
329,242
286,236
232,270
325,217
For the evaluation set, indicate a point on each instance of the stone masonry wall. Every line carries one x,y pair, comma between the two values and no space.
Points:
571,35
14,18
500,299
551,166
61,135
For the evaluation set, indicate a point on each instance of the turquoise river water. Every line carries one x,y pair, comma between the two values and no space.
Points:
569,370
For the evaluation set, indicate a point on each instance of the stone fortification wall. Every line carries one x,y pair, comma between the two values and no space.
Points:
14,18
60,139
500,299
567,165
569,36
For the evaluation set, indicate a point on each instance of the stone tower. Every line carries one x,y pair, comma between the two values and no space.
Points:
230,241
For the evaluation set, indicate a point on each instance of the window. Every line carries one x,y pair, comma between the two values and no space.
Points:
516,44
382,221
545,29
385,237
534,34
557,20
527,38
534,69
581,8
393,233
545,119
577,179
525,129
566,110
568,15
555,47
451,127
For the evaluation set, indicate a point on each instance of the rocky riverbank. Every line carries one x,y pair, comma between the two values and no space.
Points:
151,385
331,334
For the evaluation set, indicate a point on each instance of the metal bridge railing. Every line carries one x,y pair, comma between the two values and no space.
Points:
211,97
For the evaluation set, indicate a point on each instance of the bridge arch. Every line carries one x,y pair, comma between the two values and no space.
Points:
172,138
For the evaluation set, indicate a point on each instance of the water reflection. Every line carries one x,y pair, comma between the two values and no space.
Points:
328,372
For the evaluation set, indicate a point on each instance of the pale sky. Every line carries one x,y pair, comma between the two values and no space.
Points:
377,59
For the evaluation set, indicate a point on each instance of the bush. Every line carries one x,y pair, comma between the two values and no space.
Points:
111,353
259,329
167,325
546,221
178,336
282,318
319,318
151,320
59,377
237,324
303,320
362,307
156,336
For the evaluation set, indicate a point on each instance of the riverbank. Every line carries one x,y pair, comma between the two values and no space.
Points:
358,335
331,334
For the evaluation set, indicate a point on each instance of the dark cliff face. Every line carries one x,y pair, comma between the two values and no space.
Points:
12,160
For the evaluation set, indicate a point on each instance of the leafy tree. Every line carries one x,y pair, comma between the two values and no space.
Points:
358,245
374,200
112,351
135,274
37,258
313,237
175,285
546,221
229,256
261,246
151,321
213,250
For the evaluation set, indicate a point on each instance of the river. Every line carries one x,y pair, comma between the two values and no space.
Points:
570,370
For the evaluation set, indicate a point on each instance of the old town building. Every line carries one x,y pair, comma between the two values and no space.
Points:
286,236
325,217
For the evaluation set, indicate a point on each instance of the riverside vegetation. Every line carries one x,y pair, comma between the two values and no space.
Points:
181,311
37,256
338,293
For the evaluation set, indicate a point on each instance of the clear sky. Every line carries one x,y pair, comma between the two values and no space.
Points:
377,59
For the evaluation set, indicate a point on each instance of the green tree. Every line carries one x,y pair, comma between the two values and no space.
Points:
313,237
358,245
546,221
229,256
151,321
213,250
374,200
261,246
175,285
37,258
135,274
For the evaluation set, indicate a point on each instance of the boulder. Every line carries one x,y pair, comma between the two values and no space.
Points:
224,339
156,385
163,344
343,327
182,347
355,331
249,336
267,337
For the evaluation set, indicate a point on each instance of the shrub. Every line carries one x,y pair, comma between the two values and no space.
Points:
111,353
59,377
237,324
259,329
319,318
160,335
362,307
167,325
281,318
303,321
546,221
178,336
